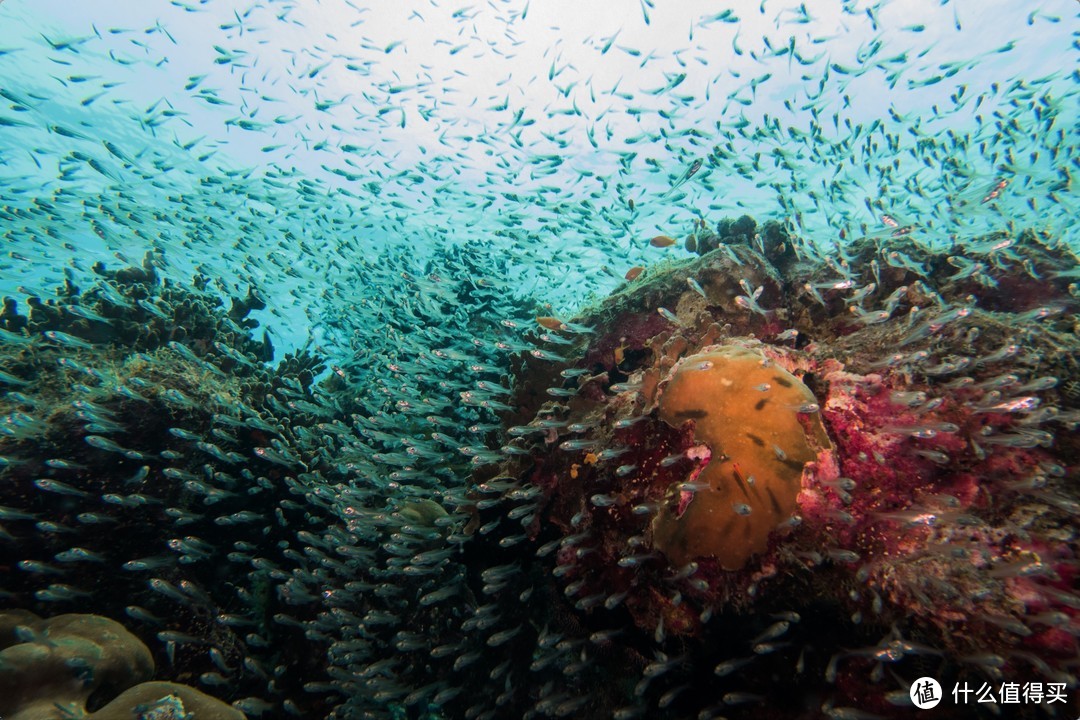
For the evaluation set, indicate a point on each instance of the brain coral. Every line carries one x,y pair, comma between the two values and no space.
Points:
59,668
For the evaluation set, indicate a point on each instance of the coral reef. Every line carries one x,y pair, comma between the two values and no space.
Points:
68,665
930,517
165,701
149,450
227,505
49,667
793,463
728,471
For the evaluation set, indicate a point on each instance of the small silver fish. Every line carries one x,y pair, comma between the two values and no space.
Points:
61,338
55,486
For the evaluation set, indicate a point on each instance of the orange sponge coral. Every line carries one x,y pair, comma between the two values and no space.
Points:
761,426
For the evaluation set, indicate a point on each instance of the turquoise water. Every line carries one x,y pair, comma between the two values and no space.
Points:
405,187
548,131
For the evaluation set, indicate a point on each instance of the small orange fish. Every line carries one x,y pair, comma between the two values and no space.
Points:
632,273
551,323
662,241
620,355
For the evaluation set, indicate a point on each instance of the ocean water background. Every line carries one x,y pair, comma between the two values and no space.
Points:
278,144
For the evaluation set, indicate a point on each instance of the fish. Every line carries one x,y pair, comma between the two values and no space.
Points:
750,300
77,554
668,315
55,486
62,338
86,314
551,323
8,513
690,171
104,443
9,379
662,241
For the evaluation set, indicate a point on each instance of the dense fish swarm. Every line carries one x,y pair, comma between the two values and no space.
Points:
933,521
422,361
